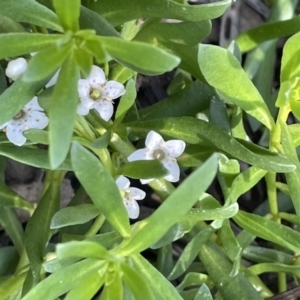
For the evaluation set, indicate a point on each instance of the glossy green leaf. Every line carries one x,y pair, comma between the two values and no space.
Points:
9,287
74,215
9,259
87,288
190,252
46,63
164,261
107,240
37,136
219,267
64,280
153,228
82,249
200,132
290,218
38,226
9,25
269,31
203,293
290,67
126,101
13,227
274,268
194,279
103,141
121,73
101,187
239,91
143,169
133,55
84,60
62,112
160,285
30,12
218,114
119,12
68,13
32,156
269,230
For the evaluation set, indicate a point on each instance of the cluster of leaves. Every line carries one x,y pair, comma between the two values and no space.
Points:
98,251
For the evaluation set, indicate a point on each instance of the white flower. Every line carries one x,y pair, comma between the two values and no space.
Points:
95,92
129,195
53,80
15,68
31,116
166,152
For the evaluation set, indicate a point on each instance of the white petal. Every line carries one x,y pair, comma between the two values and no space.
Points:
3,126
14,133
153,140
123,183
113,90
97,77
175,148
137,194
53,80
83,88
35,119
16,67
145,181
33,105
104,108
172,166
141,154
132,208
82,109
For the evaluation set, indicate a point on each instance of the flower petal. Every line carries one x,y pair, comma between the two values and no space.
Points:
104,108
16,68
113,90
3,126
137,194
145,181
83,88
53,80
123,183
14,133
172,166
33,105
175,148
96,77
35,119
132,208
153,140
141,154
82,109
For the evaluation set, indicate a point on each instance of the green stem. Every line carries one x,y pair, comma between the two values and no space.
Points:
96,226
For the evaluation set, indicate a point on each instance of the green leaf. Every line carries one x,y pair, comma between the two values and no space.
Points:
219,67
32,156
38,226
290,66
82,249
119,11
160,285
190,252
9,25
17,44
200,132
3,83
219,267
126,101
84,60
203,293
143,169
9,287
103,141
136,283
9,259
64,280
133,55
74,215
154,227
269,31
101,187
68,13
46,62
62,112
37,136
30,12
269,230
272,268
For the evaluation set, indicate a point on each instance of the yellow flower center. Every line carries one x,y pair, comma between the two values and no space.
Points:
19,115
159,154
95,94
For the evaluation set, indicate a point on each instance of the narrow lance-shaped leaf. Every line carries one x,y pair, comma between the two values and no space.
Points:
150,230
62,112
224,72
31,12
101,187
68,12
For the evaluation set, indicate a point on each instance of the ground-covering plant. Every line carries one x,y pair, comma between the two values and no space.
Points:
68,84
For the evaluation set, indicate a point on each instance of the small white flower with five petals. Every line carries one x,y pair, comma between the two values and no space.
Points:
166,152
130,195
95,92
31,116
